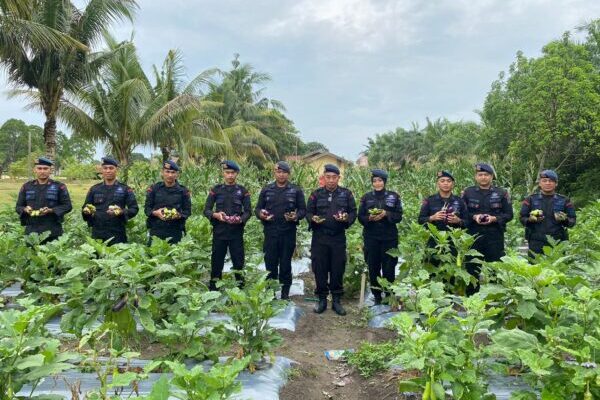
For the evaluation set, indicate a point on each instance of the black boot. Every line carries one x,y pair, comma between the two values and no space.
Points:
321,306
285,292
377,298
337,306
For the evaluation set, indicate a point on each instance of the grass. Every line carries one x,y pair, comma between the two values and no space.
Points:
9,190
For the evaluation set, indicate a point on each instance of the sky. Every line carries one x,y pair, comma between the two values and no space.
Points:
349,69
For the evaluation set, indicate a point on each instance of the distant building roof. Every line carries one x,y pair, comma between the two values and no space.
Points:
315,155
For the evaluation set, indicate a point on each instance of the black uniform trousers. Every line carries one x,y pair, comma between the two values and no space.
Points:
55,232
490,243
279,248
379,262
114,237
174,234
235,245
328,254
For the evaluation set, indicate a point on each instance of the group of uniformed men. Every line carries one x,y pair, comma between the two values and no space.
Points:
483,209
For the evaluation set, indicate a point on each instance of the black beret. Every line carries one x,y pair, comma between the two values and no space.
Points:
550,174
483,167
282,165
171,165
109,161
379,173
228,164
44,161
442,174
332,168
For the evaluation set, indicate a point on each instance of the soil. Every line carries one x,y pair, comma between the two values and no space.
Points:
315,377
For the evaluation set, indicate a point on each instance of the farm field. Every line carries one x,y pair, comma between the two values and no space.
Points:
9,190
104,305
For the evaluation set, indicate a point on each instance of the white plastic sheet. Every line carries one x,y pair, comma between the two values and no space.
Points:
262,385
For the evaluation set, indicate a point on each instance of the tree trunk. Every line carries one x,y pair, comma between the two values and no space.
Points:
124,165
166,153
50,136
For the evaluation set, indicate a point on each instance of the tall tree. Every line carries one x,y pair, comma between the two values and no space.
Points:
546,111
244,114
44,73
14,138
194,132
120,108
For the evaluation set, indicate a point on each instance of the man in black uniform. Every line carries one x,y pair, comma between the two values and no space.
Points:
232,209
444,209
280,207
109,205
379,212
43,202
330,210
546,213
168,205
489,210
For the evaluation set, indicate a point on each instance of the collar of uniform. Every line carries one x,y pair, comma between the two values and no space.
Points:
480,189
274,185
439,196
36,182
174,186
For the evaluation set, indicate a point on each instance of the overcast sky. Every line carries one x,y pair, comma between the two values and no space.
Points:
348,69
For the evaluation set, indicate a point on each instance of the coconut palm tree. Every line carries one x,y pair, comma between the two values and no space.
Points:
45,73
122,109
245,114
193,133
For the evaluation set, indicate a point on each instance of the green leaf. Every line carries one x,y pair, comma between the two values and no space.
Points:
47,370
515,339
439,391
35,360
146,320
122,379
52,290
526,309
73,272
526,293
101,283
160,390
457,390
538,363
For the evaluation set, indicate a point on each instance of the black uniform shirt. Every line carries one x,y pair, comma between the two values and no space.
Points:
102,196
52,194
494,201
452,204
160,196
232,200
278,201
384,200
326,204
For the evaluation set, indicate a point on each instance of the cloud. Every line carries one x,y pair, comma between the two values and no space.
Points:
366,25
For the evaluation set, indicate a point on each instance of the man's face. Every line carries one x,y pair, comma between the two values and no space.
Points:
281,176
331,180
445,184
483,178
109,172
169,176
378,183
547,185
230,176
42,172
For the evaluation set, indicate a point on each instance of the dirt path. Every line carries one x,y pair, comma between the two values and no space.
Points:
317,378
